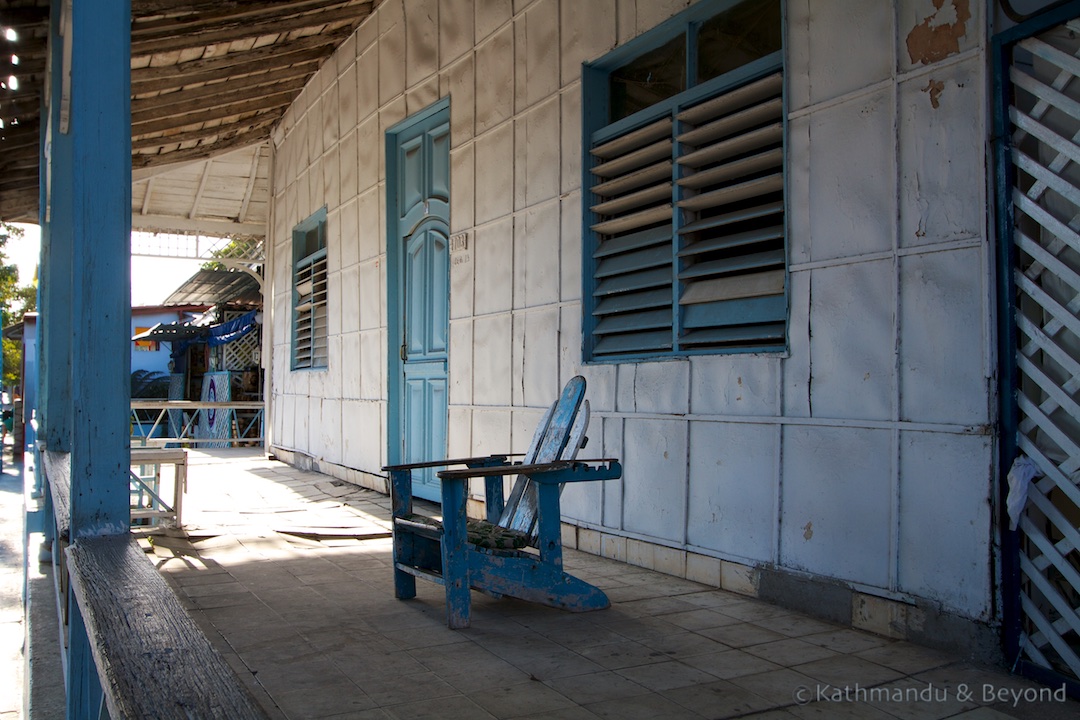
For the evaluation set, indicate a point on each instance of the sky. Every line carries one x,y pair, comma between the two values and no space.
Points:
152,279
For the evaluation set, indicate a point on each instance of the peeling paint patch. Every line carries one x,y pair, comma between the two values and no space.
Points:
808,530
935,88
938,36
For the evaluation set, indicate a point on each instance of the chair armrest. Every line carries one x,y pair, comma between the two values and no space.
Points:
557,472
481,461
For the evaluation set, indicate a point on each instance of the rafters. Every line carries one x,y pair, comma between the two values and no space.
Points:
183,109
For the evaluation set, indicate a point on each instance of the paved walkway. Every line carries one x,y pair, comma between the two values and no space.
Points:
289,574
12,628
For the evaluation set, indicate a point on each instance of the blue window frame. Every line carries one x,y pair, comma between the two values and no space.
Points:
310,327
685,224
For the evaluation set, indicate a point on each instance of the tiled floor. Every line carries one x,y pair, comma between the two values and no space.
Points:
289,574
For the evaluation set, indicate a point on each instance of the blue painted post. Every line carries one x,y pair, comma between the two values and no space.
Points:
56,250
86,349
100,127
84,693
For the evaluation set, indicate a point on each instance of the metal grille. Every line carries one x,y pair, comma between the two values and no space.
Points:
1044,124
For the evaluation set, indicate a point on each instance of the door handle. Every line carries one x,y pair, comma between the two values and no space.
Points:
404,352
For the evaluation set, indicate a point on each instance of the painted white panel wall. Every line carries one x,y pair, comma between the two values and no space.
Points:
839,457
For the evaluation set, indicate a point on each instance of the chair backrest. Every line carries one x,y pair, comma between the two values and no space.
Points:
559,435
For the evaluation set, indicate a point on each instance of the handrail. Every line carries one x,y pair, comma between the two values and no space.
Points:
198,423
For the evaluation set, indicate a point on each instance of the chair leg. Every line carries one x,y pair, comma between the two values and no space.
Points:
401,502
455,557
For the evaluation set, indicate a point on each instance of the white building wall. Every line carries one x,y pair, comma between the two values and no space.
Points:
863,454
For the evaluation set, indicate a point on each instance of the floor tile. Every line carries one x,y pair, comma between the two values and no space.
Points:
790,652
627,653
719,699
847,671
741,634
448,708
515,701
906,657
647,707
595,687
730,664
666,675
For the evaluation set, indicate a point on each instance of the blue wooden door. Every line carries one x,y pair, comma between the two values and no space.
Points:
422,229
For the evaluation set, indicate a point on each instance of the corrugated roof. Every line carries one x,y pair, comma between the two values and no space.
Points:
217,287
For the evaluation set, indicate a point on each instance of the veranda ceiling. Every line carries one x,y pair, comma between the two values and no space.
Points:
209,78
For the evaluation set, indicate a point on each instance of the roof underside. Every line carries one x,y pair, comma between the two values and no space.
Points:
213,287
209,78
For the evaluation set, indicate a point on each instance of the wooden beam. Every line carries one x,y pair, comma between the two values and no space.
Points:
258,128
273,69
166,42
253,172
267,54
173,223
221,16
202,186
160,162
147,196
224,154
22,18
206,98
263,105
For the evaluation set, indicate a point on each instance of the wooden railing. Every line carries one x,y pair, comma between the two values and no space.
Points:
194,422
131,649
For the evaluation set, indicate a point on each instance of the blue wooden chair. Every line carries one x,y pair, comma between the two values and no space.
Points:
516,550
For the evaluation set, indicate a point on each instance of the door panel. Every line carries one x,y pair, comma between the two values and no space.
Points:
422,246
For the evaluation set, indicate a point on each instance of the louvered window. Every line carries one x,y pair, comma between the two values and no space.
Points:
310,337
685,231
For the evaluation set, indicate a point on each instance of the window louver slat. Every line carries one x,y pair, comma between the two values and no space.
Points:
634,139
728,102
726,126
634,200
627,302
747,142
734,193
634,160
760,284
732,241
635,221
634,322
636,179
768,160
657,277
729,218
634,241
632,262
634,343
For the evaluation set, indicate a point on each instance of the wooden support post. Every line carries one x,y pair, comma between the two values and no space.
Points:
99,126
86,348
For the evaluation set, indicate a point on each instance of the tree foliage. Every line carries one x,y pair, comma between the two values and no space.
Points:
15,302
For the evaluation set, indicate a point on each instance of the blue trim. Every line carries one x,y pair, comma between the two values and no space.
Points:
1051,18
1007,373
